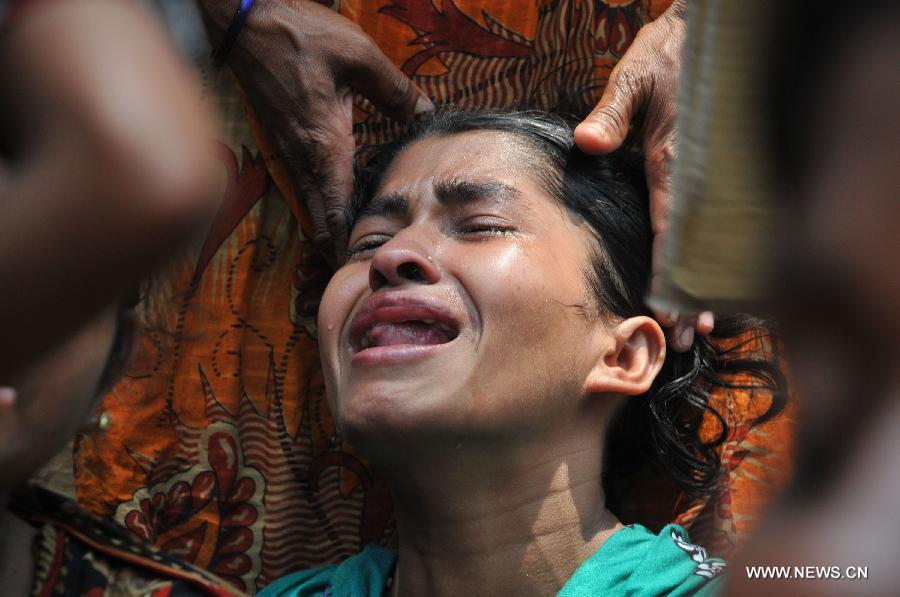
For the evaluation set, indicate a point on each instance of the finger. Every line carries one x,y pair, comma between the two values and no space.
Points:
606,127
385,85
659,158
705,323
682,337
328,203
657,171
666,319
7,397
324,181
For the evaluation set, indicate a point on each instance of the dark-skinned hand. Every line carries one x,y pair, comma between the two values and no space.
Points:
300,62
643,89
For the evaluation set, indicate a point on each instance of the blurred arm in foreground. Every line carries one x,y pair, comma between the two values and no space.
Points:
104,166
834,148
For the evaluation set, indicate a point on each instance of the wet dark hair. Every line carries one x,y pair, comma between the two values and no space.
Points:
661,428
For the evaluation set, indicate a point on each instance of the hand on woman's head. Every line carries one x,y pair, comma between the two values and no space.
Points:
301,62
643,89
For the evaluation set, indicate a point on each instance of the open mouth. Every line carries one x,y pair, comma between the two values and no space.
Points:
420,333
401,321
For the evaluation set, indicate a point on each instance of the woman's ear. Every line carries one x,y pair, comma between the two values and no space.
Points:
632,360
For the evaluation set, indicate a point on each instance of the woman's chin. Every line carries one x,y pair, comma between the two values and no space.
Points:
396,411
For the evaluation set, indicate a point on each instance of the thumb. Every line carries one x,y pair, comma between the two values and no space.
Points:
385,85
606,127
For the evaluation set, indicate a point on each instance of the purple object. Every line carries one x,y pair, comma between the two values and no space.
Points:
231,34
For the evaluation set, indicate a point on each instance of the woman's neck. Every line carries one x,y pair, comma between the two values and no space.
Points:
16,560
500,520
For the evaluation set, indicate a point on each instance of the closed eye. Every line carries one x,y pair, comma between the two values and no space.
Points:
485,229
469,230
367,244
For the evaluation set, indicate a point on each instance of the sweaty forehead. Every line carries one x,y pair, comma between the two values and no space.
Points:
484,155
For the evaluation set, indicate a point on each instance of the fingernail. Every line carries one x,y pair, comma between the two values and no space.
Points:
686,338
592,129
424,105
7,396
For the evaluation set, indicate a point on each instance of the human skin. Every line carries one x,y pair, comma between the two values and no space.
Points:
643,89
492,438
104,165
53,399
851,218
300,62
847,379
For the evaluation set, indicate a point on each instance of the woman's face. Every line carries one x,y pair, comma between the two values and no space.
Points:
463,308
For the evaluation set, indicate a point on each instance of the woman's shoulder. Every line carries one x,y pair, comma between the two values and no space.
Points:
367,573
636,561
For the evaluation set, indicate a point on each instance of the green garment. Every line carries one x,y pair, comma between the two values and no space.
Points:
633,562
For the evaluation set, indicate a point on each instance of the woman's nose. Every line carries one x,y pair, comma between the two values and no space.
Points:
402,261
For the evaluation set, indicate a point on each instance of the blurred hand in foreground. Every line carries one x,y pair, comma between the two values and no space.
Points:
105,166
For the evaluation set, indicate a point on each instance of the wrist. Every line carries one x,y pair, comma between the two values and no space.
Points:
232,31
217,15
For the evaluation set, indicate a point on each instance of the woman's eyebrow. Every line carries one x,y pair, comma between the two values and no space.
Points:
448,192
389,204
463,192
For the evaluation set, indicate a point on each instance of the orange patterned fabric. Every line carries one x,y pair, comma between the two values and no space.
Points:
222,450
756,460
